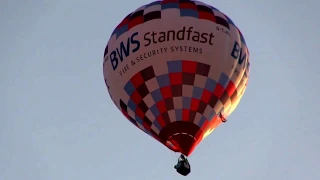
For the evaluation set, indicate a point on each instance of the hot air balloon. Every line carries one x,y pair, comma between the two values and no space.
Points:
176,69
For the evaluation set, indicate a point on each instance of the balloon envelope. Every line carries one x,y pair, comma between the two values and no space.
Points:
172,67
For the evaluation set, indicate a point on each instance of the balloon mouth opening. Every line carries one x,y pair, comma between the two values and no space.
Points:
172,137
183,142
181,136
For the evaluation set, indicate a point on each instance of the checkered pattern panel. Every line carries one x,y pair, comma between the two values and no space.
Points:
155,10
185,93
